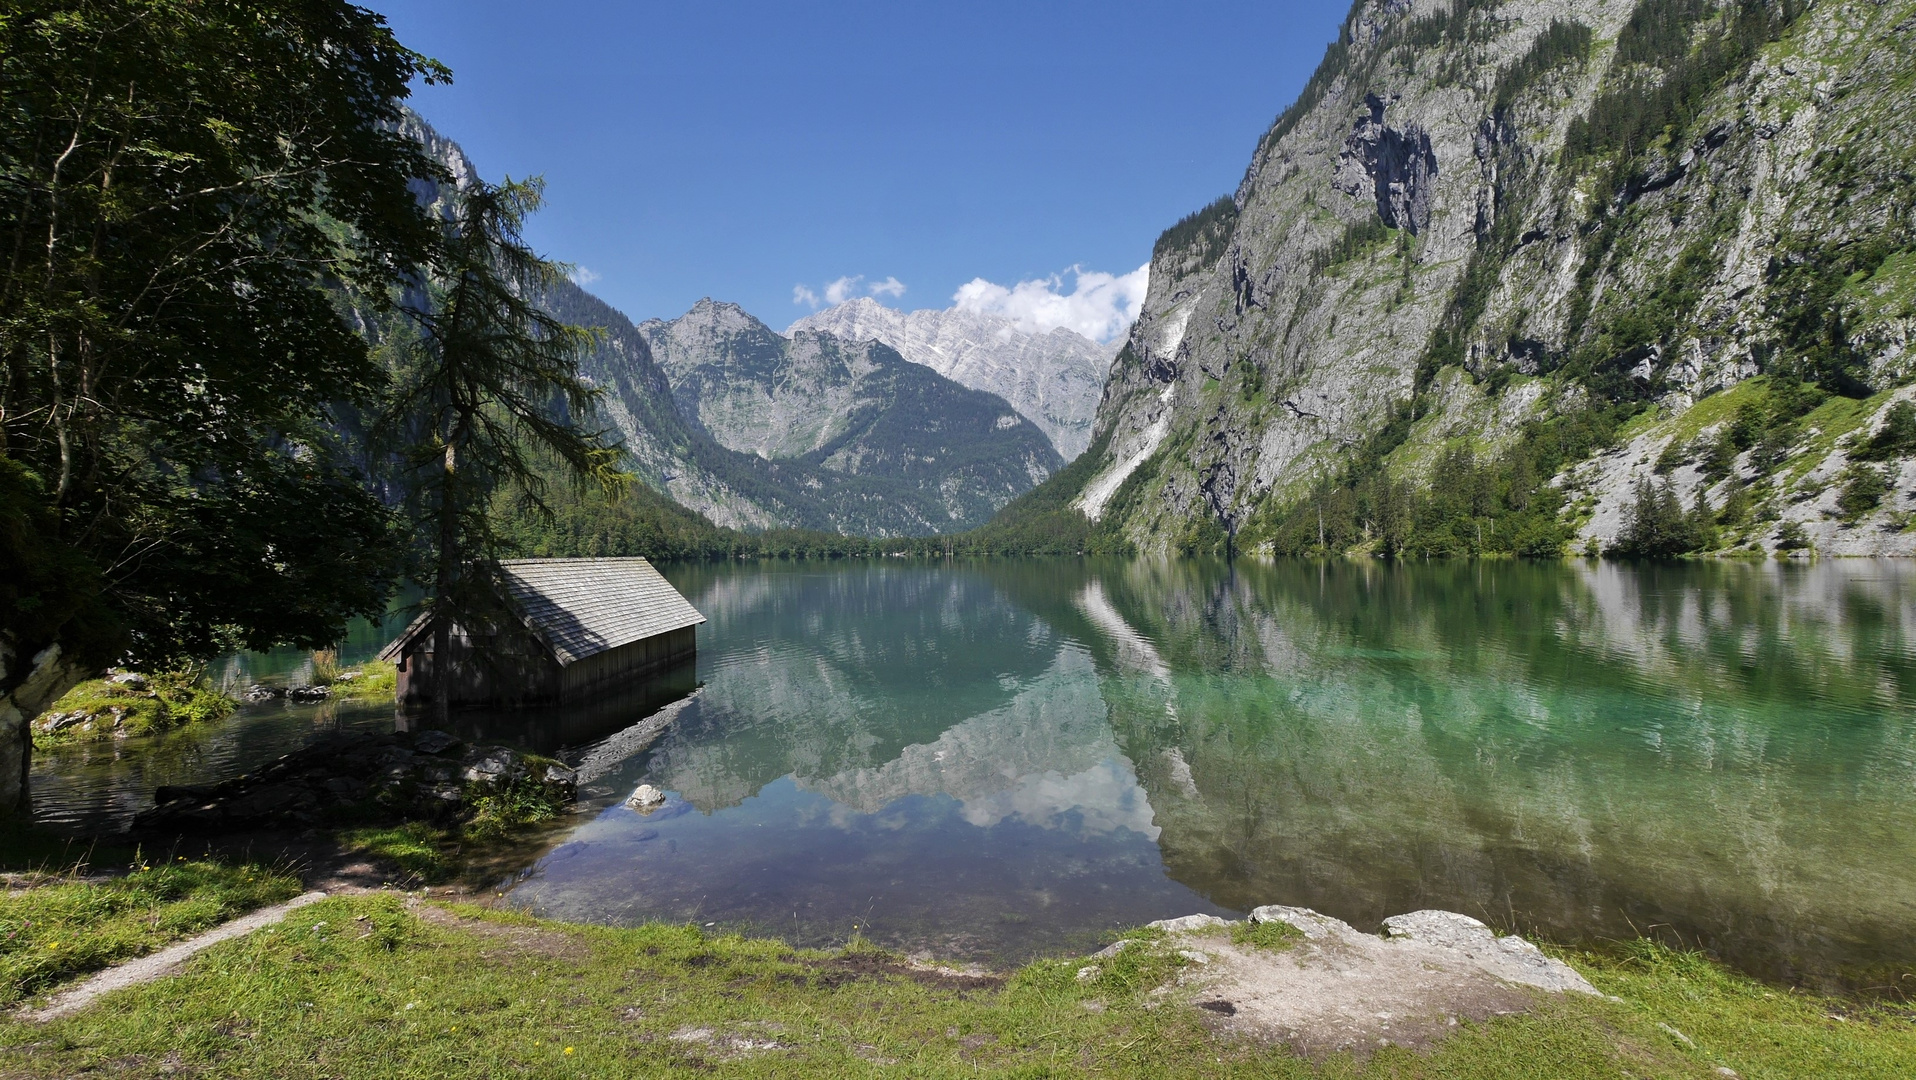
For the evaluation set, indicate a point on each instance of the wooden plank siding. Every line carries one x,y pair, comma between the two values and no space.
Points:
641,657
589,626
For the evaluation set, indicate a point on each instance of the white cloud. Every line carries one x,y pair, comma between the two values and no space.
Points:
841,290
844,289
1100,306
584,276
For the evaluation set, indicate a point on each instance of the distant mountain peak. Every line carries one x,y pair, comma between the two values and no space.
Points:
1053,379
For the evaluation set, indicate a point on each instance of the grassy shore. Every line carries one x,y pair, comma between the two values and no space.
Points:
101,709
389,985
55,926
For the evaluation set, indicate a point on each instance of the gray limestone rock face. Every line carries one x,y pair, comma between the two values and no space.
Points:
1394,167
923,449
1052,379
1434,177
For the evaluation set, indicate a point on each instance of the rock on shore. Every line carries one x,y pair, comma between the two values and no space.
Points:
1334,988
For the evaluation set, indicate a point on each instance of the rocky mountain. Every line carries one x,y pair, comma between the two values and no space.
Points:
1542,275
1053,379
815,434
925,454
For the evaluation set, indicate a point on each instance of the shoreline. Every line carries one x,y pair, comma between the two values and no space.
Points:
380,981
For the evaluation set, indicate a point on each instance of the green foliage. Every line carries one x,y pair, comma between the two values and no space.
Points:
1207,231
1655,525
1689,55
1895,438
1203,536
487,400
1276,936
415,847
1673,455
63,927
1791,537
1562,42
1467,506
172,700
1358,238
50,590
1803,302
376,680
196,181
1863,488
499,810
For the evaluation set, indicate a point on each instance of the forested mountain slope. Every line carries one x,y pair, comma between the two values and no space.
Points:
1052,379
1540,275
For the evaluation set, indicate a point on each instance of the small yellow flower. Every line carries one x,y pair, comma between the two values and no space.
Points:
568,1050
53,945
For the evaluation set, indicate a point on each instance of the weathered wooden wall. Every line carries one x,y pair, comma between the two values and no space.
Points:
494,671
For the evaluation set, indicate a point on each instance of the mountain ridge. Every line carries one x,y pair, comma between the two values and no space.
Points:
1053,379
946,455
1503,268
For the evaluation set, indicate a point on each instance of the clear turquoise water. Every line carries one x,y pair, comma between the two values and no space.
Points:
1006,758
1002,759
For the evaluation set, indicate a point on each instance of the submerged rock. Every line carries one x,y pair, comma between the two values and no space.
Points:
369,777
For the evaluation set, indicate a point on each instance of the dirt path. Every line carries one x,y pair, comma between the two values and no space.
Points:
162,963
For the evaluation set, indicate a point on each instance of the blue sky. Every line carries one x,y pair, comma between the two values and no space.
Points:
755,152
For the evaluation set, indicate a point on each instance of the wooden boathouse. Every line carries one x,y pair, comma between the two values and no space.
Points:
582,626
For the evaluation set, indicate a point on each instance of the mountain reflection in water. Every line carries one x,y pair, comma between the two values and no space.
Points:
1006,757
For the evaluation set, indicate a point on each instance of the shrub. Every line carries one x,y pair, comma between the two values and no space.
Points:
1895,438
1863,489
1675,454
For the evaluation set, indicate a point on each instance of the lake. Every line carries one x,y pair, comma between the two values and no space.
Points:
1000,759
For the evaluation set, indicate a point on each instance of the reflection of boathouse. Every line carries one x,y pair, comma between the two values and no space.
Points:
582,626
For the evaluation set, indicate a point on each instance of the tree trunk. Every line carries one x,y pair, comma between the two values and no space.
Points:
442,585
27,687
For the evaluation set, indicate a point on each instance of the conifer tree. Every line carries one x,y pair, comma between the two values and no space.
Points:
487,393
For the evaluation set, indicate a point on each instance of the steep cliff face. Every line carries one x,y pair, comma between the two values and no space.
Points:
1613,242
1052,379
925,453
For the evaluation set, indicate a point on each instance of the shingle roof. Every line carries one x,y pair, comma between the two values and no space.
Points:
586,606
582,607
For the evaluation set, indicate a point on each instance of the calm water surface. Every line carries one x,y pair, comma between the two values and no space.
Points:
1006,758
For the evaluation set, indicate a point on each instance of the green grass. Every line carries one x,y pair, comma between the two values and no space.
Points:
1277,936
433,853
377,680
415,848
366,986
53,930
119,711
